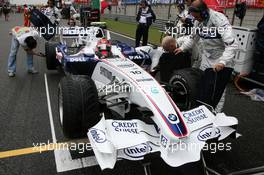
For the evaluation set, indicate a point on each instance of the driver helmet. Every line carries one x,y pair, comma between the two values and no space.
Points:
103,47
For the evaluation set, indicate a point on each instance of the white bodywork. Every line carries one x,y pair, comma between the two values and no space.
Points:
118,80
132,139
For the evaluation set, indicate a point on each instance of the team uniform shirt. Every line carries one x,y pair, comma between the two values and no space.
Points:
21,33
143,16
52,13
72,9
183,14
219,46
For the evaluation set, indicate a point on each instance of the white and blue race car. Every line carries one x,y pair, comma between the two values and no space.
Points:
109,96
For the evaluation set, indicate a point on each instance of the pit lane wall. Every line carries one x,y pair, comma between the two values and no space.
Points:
251,19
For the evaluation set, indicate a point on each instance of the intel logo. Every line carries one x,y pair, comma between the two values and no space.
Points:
206,133
137,151
98,135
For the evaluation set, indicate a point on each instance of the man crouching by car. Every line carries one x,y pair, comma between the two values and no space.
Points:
27,38
219,49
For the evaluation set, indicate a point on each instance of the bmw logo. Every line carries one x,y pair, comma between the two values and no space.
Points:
173,117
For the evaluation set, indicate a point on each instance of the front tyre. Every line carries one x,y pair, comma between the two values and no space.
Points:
78,105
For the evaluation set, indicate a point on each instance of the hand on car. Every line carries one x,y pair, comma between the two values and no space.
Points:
41,54
177,51
218,67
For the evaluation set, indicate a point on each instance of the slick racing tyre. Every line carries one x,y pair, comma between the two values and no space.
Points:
78,105
185,85
50,51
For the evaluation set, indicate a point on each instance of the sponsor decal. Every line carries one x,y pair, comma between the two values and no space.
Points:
98,135
106,73
163,141
195,116
206,133
173,118
78,59
146,79
154,90
124,126
125,65
136,72
138,151
135,57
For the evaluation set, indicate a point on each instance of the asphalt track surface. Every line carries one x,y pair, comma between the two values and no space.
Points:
24,121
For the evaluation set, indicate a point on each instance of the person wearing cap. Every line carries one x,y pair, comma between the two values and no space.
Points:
218,51
145,17
27,38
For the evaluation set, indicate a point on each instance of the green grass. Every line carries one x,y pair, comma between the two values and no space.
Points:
129,29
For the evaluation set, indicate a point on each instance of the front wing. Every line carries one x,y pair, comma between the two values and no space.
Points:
133,139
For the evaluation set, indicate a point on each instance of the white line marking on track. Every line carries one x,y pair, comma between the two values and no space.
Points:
54,140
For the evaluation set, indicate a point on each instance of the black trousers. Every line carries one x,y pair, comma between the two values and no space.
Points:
142,30
213,84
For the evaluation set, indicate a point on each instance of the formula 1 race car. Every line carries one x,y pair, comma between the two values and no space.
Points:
109,95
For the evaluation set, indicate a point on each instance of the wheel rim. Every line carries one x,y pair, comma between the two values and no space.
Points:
182,92
60,106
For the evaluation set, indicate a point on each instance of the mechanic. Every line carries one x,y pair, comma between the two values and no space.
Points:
183,13
27,38
219,48
187,22
185,18
169,61
52,12
145,17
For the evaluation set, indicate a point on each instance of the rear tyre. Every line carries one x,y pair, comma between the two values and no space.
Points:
50,50
78,105
185,83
